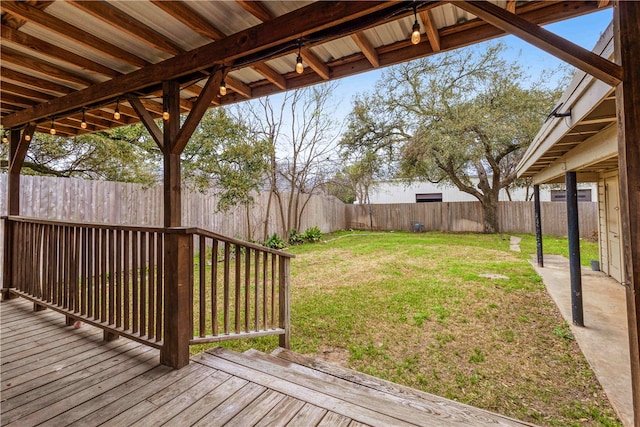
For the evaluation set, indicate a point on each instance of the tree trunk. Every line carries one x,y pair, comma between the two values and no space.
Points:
490,213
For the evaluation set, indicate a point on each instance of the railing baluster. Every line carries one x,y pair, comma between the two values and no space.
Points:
134,281
256,302
202,256
273,291
265,266
247,288
125,270
214,288
151,288
77,262
143,282
118,274
103,275
96,274
159,286
112,278
237,289
227,273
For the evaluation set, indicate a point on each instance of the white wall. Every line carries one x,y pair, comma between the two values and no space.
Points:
400,192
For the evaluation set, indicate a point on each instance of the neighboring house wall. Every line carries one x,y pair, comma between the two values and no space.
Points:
400,192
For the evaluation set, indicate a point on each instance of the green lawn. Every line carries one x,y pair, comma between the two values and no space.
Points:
414,309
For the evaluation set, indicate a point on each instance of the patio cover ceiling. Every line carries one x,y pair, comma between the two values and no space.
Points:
62,60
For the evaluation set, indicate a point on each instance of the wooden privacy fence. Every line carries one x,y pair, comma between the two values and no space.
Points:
76,200
115,278
514,217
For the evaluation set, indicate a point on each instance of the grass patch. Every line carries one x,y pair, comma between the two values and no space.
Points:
413,309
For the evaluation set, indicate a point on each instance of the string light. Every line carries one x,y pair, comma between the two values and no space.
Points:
415,35
27,137
299,66
4,137
116,114
83,124
223,88
165,107
52,131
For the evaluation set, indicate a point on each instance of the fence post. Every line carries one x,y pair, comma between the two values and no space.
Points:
178,292
285,321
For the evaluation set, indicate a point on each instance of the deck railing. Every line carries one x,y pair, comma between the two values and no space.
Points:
122,279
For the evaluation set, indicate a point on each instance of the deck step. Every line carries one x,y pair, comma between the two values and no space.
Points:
417,409
412,396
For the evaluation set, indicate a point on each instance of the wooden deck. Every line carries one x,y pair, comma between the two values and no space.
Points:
55,375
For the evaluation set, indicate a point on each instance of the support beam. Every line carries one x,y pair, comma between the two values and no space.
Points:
315,63
271,75
431,30
626,16
211,89
367,48
147,120
13,179
574,249
559,47
172,199
538,220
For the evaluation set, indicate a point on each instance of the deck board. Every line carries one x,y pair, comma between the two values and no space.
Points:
52,374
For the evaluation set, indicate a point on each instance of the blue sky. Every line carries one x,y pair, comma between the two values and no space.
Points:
583,31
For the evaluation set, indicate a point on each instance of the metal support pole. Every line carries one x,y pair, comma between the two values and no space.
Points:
538,215
574,249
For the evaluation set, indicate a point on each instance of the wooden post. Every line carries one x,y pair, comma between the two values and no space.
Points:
574,249
538,215
626,16
13,177
172,199
284,318
178,320
177,247
15,162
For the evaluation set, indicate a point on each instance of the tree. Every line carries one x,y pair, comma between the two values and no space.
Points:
225,156
302,157
463,118
124,154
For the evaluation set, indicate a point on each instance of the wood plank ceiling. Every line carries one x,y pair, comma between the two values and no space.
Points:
65,60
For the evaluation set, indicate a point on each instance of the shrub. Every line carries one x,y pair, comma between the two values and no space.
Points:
295,238
275,242
312,234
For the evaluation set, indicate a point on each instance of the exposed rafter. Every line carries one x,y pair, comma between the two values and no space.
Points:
188,17
367,48
134,28
431,30
51,23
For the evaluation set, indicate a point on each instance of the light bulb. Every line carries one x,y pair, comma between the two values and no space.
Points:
83,124
27,138
299,66
165,115
223,88
52,131
415,35
4,138
116,115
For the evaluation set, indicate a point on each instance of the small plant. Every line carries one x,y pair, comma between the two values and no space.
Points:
563,332
295,238
275,242
312,234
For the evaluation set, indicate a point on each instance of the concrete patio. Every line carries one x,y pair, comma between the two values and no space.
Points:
604,339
